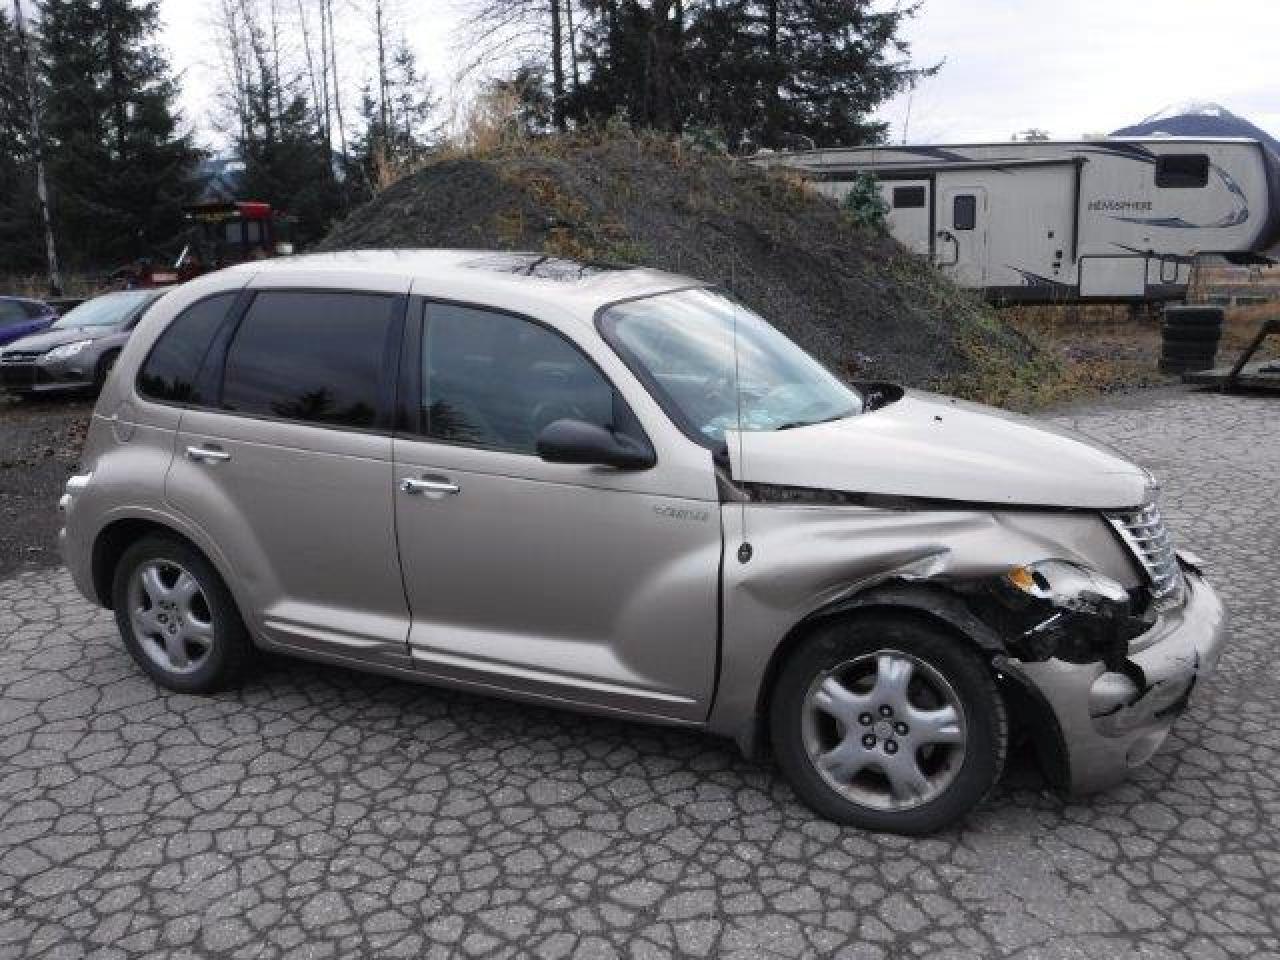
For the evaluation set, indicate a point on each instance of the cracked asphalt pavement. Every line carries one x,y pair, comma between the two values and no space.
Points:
323,813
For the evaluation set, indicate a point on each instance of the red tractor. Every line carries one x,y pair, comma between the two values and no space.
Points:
221,233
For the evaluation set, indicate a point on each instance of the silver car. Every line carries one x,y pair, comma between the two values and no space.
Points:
79,350
621,491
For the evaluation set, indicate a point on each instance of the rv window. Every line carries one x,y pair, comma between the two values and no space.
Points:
1182,170
964,211
908,197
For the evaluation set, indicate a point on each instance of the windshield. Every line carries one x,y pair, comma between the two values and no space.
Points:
682,345
108,310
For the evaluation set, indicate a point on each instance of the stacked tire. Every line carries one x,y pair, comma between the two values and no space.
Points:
1190,338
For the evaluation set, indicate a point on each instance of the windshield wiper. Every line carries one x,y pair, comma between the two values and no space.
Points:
811,423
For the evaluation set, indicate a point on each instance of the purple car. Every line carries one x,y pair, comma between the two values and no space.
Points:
20,317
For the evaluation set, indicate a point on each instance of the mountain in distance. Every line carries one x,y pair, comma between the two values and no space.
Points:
1197,120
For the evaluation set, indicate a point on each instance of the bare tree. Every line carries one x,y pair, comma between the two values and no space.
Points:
37,142
326,7
503,35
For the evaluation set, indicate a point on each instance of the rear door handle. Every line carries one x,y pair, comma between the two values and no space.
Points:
413,486
207,455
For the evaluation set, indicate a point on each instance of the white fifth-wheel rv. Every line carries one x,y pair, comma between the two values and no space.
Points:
1106,220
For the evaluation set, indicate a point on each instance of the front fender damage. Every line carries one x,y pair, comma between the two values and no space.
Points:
811,563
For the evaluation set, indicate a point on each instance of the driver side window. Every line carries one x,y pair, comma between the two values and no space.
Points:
496,381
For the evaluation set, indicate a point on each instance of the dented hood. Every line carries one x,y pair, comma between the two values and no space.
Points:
934,447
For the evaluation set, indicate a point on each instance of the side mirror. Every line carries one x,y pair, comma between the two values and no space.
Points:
573,441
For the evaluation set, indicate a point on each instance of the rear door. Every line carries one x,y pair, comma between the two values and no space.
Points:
288,470
580,584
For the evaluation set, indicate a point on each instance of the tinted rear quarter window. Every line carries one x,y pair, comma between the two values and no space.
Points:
1182,170
169,372
313,356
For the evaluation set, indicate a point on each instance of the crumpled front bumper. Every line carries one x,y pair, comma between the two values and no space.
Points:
1111,722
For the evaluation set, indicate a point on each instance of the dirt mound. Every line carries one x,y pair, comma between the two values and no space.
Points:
853,297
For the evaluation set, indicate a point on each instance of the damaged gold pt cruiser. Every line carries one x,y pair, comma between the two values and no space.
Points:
621,491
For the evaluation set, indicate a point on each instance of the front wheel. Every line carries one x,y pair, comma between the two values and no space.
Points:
889,724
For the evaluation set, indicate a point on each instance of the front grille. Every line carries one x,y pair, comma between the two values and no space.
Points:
20,356
1143,531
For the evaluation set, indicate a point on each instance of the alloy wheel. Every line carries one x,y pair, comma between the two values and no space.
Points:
885,730
171,616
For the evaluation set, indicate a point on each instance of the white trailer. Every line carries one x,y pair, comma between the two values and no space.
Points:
1102,220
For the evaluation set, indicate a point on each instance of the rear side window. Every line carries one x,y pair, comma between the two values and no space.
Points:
169,372
906,198
964,211
494,380
1182,170
313,356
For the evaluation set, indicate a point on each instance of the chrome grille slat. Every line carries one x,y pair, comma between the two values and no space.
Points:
1144,533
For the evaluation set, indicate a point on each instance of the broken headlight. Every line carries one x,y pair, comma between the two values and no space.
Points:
1059,609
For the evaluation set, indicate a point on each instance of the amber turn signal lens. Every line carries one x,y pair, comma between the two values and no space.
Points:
1022,578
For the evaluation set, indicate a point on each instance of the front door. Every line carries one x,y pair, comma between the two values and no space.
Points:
560,582
287,469
961,242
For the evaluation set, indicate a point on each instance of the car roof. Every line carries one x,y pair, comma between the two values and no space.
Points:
513,275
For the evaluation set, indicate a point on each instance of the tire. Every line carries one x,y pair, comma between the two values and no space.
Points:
1190,334
1192,356
1193,317
864,656
210,634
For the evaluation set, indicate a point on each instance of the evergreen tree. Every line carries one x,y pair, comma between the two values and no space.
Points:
770,72
21,237
826,65
120,169
288,163
397,133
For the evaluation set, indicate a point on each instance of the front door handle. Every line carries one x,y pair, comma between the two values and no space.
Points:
412,486
207,455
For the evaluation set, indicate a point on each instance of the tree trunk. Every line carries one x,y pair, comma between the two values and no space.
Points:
119,97
380,29
770,132
275,58
573,44
325,43
37,143
337,96
557,68
321,119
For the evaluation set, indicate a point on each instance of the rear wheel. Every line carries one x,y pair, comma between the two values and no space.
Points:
888,724
177,618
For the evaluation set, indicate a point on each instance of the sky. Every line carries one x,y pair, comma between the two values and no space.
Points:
1071,67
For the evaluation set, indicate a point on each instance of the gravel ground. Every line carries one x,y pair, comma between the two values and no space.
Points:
39,446
323,813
